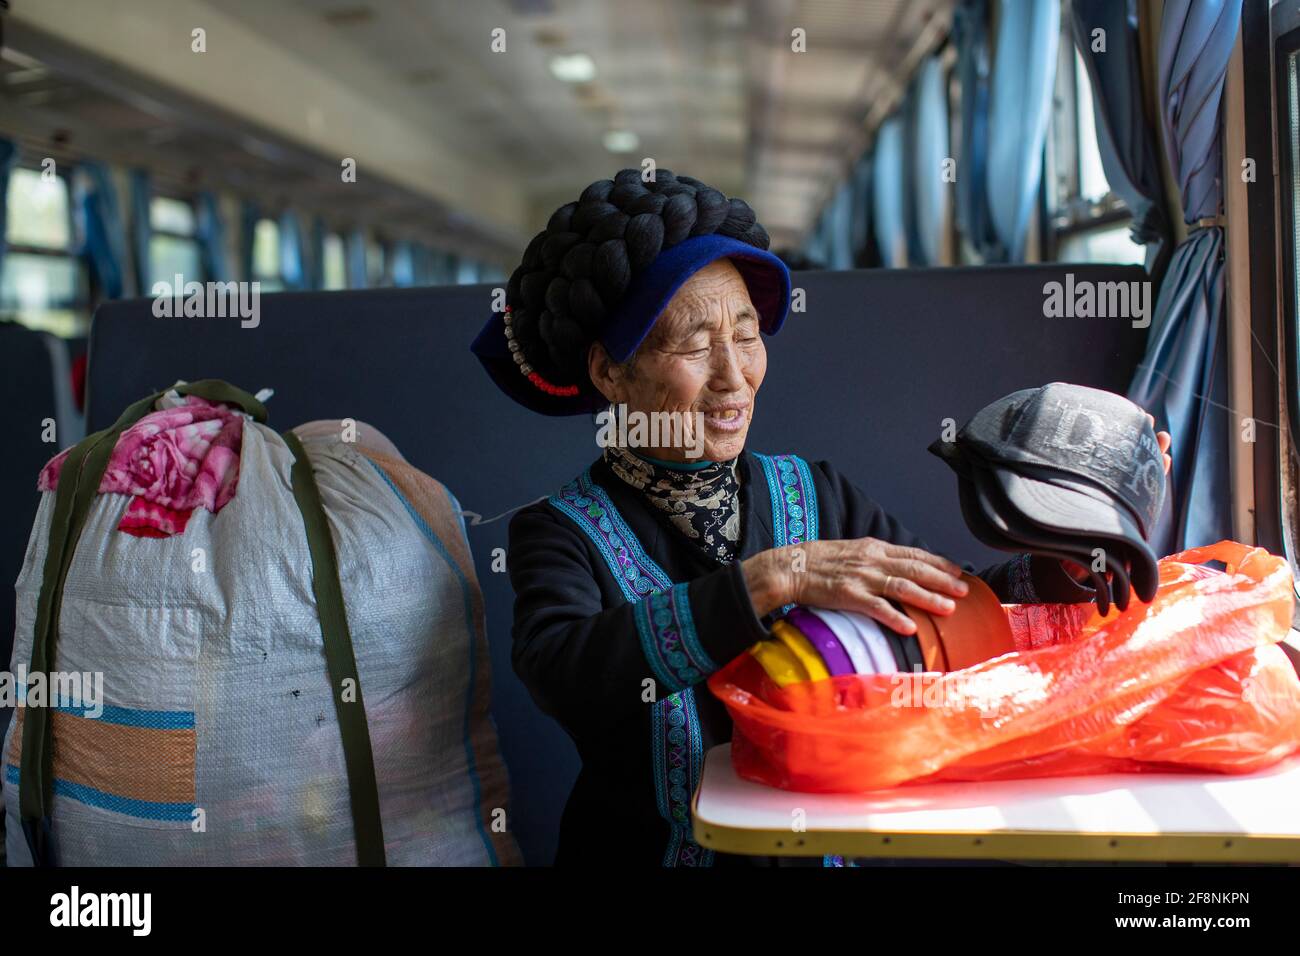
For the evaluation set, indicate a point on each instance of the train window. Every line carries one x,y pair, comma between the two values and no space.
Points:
173,241
266,255
334,270
466,272
45,284
1286,65
1089,222
1288,134
1291,186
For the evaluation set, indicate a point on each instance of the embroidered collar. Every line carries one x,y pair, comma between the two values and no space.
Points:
701,500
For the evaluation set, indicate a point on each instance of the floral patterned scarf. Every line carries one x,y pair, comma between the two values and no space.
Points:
702,502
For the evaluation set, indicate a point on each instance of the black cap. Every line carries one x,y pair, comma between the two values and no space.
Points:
1060,471
1071,453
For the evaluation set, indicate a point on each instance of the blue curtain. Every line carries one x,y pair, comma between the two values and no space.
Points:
422,257
815,246
444,268
315,264
293,252
102,230
1126,139
839,229
8,156
930,191
1024,74
1183,378
249,214
402,264
970,35
211,231
355,249
142,230
907,183
860,227
887,194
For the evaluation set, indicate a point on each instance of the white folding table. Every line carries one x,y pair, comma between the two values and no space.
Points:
1129,817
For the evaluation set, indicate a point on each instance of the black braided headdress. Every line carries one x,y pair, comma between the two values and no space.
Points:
575,272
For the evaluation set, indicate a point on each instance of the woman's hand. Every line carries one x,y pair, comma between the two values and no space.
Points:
858,574
1077,571
1165,441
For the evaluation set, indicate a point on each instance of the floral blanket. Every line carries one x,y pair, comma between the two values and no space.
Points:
171,462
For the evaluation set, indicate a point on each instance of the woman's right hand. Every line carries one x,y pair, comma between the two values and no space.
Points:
857,574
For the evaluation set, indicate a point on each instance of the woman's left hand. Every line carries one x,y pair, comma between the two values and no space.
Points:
1165,441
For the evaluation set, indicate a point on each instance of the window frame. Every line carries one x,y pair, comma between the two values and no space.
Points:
154,232
1286,48
267,283
86,276
1077,214
340,235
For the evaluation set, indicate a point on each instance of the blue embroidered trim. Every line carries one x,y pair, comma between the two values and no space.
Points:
667,630
669,641
678,755
690,639
794,521
592,510
794,501
678,746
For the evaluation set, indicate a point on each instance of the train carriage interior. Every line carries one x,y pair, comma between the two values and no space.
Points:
322,202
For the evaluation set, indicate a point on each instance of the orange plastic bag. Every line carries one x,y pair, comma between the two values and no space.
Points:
1191,681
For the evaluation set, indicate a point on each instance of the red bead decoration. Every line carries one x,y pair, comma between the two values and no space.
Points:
562,391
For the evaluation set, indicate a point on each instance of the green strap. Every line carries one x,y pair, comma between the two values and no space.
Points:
339,660
79,480
215,390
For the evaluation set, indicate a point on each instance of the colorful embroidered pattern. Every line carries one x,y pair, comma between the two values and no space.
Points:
678,755
669,641
794,499
678,746
794,521
667,630
591,509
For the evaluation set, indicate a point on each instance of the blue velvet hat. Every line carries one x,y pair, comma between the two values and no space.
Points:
604,270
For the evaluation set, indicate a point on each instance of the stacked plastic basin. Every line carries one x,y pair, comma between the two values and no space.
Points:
811,643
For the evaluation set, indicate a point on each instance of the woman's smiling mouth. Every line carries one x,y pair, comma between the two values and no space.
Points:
727,418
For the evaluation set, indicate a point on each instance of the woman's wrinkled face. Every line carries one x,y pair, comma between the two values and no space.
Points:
704,355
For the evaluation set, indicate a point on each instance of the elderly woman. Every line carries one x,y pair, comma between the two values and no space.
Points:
656,565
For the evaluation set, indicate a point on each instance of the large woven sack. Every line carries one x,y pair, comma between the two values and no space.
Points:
219,742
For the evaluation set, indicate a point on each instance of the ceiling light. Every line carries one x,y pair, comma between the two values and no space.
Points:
621,141
573,67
